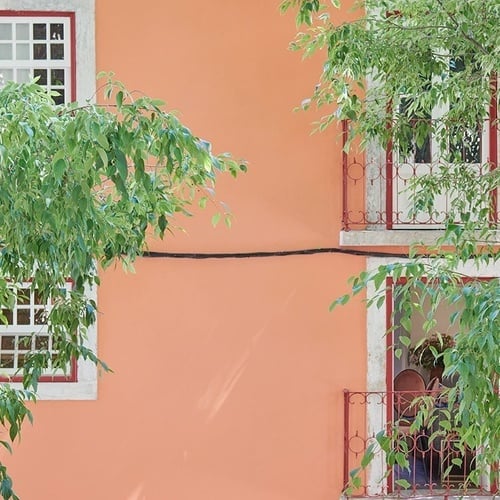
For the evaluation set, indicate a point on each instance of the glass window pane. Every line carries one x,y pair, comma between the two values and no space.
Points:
8,342
465,145
22,51
24,343
23,317
23,31
38,295
8,316
423,153
472,146
23,296
40,31
40,317
7,360
23,75
457,64
5,31
57,77
6,74
59,99
57,51
20,360
39,51
57,31
41,342
42,80
6,51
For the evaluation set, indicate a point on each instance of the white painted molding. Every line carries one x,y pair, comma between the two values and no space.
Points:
398,237
86,386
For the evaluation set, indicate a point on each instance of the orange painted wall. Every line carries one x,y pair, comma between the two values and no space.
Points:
228,374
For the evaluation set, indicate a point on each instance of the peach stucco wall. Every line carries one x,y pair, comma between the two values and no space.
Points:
228,374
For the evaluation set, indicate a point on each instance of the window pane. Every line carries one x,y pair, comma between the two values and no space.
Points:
457,64
22,31
38,297
6,51
57,77
20,360
23,317
22,51
39,51
423,153
42,342
42,74
8,342
8,316
465,145
23,296
7,360
57,31
24,343
57,51
5,31
59,99
6,75
23,75
40,32
40,317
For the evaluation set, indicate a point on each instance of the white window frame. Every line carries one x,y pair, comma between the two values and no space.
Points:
84,36
85,388
29,65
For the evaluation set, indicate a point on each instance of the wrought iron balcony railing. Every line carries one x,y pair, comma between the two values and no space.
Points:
375,190
436,465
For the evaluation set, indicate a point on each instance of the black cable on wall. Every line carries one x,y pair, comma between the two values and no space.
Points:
275,253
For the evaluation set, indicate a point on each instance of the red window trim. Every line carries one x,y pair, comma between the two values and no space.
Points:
72,376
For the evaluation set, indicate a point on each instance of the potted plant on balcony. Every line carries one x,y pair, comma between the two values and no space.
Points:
428,353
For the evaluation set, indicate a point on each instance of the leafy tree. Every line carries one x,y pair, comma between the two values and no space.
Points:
82,186
386,72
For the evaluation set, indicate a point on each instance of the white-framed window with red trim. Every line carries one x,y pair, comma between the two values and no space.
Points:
25,329
56,46
39,45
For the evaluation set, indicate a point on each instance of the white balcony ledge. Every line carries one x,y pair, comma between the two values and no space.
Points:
400,237
394,237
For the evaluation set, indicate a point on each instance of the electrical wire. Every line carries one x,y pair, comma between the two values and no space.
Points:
275,253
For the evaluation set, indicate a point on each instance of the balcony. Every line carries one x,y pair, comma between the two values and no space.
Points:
436,467
376,199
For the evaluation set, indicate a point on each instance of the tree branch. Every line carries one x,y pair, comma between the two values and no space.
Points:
459,28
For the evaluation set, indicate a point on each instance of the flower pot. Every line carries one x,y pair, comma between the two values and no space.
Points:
436,371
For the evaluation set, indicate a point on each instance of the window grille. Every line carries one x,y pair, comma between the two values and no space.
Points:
25,329
37,47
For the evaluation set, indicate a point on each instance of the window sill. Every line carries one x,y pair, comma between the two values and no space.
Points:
85,388
395,237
